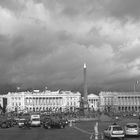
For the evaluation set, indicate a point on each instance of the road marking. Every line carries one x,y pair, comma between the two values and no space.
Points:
82,130
92,134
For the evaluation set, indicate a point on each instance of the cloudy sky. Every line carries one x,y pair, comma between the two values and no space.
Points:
46,42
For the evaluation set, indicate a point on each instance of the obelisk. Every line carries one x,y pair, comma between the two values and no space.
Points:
85,100
85,82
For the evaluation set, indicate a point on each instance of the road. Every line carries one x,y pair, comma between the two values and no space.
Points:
68,133
79,131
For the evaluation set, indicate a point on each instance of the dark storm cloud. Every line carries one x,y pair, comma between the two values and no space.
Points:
13,5
47,42
73,9
124,8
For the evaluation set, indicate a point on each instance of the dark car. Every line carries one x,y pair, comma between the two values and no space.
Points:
4,124
54,123
65,121
10,122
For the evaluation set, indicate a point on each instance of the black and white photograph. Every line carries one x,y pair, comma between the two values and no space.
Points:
69,69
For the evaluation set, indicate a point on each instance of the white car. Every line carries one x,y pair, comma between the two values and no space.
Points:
21,122
132,129
35,122
114,131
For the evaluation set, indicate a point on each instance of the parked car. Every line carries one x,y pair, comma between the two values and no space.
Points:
4,124
65,121
35,120
10,122
54,123
114,131
46,123
132,129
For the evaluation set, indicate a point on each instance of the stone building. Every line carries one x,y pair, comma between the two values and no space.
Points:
119,101
43,101
93,102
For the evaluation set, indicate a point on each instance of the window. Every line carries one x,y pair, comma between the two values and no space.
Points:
132,126
116,128
109,128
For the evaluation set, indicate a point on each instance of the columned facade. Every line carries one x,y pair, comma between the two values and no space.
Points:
128,102
60,101
53,101
15,101
44,101
120,101
107,101
93,102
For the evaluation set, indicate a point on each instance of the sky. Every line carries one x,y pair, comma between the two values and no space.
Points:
45,43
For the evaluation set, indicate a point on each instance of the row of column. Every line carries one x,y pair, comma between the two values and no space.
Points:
93,102
44,101
128,108
44,109
128,101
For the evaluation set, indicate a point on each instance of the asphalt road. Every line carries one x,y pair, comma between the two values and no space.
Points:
80,131
68,133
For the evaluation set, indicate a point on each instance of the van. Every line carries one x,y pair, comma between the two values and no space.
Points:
35,120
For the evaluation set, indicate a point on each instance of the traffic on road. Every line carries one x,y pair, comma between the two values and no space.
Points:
59,127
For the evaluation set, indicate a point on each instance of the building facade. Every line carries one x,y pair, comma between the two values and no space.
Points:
106,101
93,102
1,101
43,101
57,101
119,101
16,101
128,102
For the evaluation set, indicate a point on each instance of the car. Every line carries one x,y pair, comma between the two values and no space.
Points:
114,131
10,122
134,115
21,123
54,123
5,124
35,120
132,129
47,124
